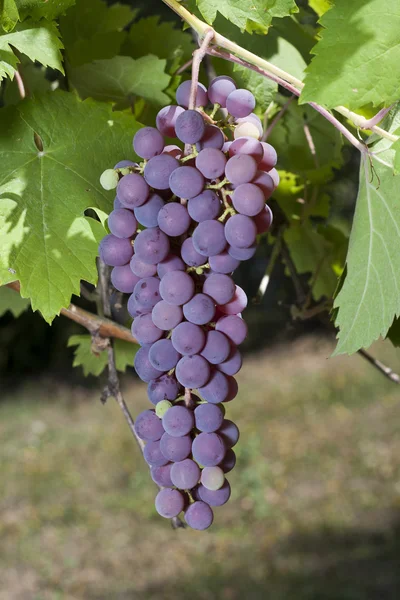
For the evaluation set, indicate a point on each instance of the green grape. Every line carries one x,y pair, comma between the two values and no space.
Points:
109,179
162,407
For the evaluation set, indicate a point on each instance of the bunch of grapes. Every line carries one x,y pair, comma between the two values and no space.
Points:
183,220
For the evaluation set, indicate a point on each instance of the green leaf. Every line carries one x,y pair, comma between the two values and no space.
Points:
396,160
91,30
122,77
94,364
34,79
47,242
9,15
48,9
39,41
358,58
240,12
394,333
320,6
12,301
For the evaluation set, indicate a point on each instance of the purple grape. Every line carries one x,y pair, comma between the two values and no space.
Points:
135,309
208,417
170,263
232,364
223,263
166,119
143,366
185,474
186,182
152,245
162,475
229,461
142,269
166,316
178,421
220,88
242,253
240,103
226,146
188,339
146,292
173,150
200,309
169,503
216,389
114,251
229,433
240,231
148,426
189,127
208,449
147,213
215,497
217,348
148,142
190,255
220,287
211,138
241,168
204,207
132,190
176,448
265,182
176,287
153,456
247,145
173,218
183,94
269,158
233,327
211,163
123,279
117,203
122,164
122,223
237,304
144,330
163,356
165,387
248,199
192,371
209,238
273,173
199,516
263,220
158,170
233,388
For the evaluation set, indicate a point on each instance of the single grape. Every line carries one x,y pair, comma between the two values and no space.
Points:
208,417
215,497
229,433
209,238
152,245
175,449
248,129
242,253
165,387
135,309
240,231
162,407
254,120
185,474
178,421
248,199
269,158
226,146
114,251
122,223
143,366
232,364
146,292
144,330
204,207
148,426
220,287
183,94
212,478
263,220
223,263
148,142
190,255
176,287
241,168
233,388
220,88
173,218
109,179
162,475
189,127
236,305
199,516
163,356
192,371
247,145
147,213
166,119
216,389
188,339
169,503
158,170
273,173
211,138
229,461
233,327
211,163
186,182
200,309
142,269
208,449
132,190
173,150
265,182
123,279
153,456
170,263
122,164
166,316
240,103
216,348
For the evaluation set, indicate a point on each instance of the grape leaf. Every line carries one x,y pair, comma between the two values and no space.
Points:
47,242
39,41
320,6
34,79
38,9
11,301
239,12
94,364
121,77
357,61
369,299
9,15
